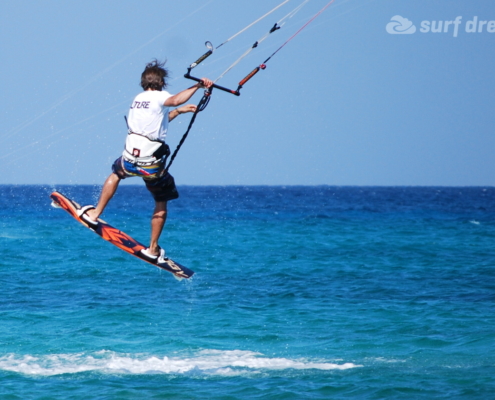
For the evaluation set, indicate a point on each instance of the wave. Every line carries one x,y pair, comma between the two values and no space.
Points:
205,362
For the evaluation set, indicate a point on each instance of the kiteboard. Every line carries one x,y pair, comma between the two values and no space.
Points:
118,238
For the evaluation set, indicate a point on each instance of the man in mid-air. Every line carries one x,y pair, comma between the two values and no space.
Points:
146,151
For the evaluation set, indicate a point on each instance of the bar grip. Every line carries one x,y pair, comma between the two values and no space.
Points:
201,59
250,75
235,92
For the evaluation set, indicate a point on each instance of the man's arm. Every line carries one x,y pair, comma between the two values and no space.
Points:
185,95
181,110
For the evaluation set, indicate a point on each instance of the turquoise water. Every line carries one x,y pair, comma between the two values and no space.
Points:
299,293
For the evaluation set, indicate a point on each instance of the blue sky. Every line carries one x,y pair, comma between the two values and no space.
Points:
344,103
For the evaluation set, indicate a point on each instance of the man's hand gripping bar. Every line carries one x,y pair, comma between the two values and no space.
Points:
188,76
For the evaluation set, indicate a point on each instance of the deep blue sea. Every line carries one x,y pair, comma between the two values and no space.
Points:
300,293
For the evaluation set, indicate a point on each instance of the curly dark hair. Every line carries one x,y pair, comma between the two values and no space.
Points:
154,76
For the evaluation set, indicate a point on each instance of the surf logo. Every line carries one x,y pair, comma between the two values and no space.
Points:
399,26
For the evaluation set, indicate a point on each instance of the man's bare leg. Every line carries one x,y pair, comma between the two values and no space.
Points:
109,188
157,223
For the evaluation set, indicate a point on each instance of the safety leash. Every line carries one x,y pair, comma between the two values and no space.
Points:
200,107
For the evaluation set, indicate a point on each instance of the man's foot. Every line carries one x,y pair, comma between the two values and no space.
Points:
82,213
157,258
163,257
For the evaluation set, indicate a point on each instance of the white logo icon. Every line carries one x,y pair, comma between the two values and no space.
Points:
400,25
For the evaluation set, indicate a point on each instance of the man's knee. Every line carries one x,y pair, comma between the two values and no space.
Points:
114,177
160,208
112,180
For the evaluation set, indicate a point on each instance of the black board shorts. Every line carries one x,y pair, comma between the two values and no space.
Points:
162,188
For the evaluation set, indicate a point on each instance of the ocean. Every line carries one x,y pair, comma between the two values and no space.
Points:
300,292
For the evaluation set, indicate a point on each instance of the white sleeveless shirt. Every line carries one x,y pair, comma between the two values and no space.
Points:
148,116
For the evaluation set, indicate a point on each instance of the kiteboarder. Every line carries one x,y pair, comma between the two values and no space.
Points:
145,150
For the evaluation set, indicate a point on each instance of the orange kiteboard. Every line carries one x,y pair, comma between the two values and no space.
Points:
118,238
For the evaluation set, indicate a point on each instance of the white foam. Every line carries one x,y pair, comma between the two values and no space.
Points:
14,237
207,362
386,360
